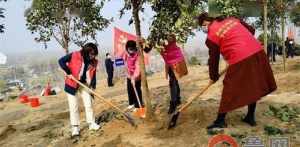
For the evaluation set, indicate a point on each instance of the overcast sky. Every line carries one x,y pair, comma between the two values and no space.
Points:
17,39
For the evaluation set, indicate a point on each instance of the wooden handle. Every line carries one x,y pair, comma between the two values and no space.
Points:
201,92
137,96
97,95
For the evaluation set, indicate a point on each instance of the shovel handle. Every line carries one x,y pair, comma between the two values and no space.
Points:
201,92
99,96
137,95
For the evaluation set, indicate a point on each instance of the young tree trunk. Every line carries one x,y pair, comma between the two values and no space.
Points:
66,38
145,88
66,46
282,35
265,25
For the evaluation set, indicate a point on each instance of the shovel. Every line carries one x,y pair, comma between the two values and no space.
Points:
141,110
127,116
174,116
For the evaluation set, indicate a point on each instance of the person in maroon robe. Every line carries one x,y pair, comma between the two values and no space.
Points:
249,76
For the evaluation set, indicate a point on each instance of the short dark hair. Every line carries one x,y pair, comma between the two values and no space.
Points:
204,16
107,54
131,44
90,47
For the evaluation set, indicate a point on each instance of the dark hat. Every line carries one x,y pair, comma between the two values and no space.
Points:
131,45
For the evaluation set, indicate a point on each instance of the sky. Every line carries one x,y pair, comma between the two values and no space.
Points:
17,39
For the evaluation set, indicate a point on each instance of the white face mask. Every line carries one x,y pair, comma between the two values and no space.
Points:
109,56
204,29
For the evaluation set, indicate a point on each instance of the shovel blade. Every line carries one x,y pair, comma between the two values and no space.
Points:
130,120
142,112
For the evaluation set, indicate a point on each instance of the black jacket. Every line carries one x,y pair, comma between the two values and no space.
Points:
109,65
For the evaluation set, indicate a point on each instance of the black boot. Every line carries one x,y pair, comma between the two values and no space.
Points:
172,108
178,102
219,122
250,117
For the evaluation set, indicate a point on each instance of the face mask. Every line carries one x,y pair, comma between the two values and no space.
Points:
131,52
204,29
109,56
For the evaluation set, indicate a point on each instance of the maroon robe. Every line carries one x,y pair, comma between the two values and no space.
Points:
246,81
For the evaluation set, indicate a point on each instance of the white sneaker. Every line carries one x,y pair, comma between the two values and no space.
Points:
94,126
135,110
130,107
75,131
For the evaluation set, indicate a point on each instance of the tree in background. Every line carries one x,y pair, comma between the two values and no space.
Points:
229,7
177,17
273,20
66,21
295,14
274,9
271,38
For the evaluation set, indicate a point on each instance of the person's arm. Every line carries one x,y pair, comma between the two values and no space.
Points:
137,71
147,49
93,82
112,62
249,27
213,61
63,63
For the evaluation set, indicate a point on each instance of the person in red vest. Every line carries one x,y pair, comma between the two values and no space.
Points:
80,65
249,76
47,90
175,68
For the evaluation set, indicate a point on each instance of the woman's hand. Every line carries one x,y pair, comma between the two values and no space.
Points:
70,76
141,40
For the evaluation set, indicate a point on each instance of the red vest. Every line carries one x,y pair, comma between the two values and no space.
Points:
133,68
235,41
172,54
76,66
47,89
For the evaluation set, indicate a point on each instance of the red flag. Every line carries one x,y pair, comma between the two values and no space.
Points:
120,39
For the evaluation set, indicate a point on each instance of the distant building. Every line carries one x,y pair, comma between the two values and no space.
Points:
14,84
3,59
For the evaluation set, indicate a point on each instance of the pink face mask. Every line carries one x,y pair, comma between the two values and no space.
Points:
131,51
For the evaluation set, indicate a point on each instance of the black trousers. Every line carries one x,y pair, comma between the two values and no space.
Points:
110,76
290,53
131,94
174,87
272,55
